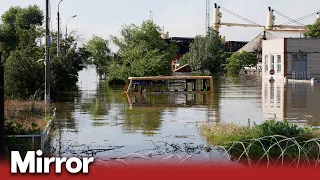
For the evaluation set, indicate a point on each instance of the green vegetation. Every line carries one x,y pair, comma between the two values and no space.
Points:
222,134
101,55
205,53
23,118
269,140
239,60
313,30
142,52
20,37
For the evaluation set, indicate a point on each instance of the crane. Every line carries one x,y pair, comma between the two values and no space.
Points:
217,15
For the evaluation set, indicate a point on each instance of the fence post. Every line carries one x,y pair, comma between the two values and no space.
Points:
42,142
33,143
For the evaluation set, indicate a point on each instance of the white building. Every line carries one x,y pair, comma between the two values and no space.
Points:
291,58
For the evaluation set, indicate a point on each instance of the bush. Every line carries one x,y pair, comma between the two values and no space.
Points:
221,134
269,140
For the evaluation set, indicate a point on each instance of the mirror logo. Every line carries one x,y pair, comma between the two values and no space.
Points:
35,163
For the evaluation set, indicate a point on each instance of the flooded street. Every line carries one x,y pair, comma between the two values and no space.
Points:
99,117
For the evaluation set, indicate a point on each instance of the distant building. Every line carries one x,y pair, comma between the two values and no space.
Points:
291,58
233,46
255,46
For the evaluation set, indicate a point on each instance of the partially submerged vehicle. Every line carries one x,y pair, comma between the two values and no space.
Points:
169,84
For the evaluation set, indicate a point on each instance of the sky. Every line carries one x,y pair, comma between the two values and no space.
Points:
181,18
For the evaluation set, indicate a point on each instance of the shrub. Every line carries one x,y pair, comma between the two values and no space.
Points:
271,140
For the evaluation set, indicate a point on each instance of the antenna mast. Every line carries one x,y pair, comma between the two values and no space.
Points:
151,16
207,15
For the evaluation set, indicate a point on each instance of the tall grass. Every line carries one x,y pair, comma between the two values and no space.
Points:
270,142
22,116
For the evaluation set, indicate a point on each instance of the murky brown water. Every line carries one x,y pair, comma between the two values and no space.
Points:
99,117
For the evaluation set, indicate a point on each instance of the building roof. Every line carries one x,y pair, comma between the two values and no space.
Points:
256,44
184,68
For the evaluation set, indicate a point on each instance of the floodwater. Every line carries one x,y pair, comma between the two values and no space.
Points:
99,120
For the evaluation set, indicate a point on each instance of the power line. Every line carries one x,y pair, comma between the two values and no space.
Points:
290,19
302,18
240,17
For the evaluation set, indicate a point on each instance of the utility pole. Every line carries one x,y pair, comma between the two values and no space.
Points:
47,55
58,36
67,30
1,109
2,143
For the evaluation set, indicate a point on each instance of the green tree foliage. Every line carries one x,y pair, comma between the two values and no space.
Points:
313,30
205,53
64,70
20,27
240,60
142,52
24,75
19,33
101,55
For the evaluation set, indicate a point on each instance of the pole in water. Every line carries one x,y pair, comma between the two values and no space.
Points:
47,56
2,143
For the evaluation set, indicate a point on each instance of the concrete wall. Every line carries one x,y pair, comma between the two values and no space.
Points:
274,48
309,47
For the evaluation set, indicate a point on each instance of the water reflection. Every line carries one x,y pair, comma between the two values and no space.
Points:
98,105
293,102
99,116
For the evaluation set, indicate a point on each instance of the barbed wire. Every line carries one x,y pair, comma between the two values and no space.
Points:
267,151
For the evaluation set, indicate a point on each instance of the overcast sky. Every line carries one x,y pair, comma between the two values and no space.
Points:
185,18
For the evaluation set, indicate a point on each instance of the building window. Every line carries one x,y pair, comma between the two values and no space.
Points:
266,63
279,63
272,62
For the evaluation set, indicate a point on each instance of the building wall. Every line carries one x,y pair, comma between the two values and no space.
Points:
273,48
288,48
309,47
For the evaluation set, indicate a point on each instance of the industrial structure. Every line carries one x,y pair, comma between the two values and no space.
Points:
185,42
270,26
255,46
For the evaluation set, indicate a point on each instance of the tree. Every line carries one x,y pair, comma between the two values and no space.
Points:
205,53
24,75
101,54
142,52
21,27
64,70
240,60
313,30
